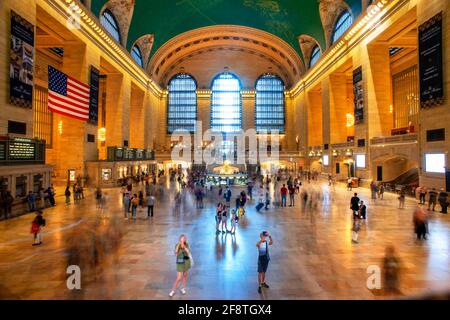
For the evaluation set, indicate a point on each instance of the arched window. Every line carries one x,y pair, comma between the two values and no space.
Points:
108,21
315,55
269,105
226,104
137,55
344,21
182,103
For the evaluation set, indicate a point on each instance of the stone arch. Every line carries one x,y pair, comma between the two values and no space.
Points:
145,44
329,12
123,12
307,44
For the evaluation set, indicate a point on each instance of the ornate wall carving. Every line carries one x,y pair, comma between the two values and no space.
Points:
145,44
329,12
123,12
307,44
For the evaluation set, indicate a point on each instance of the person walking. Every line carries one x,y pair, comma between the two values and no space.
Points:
36,228
422,194
250,189
7,201
218,216
227,196
51,196
420,221
183,261
234,221
284,192
362,210
67,195
381,192
349,184
98,197
355,228
263,259
150,205
134,205
401,199
391,270
354,204
126,203
31,199
373,190
267,198
224,215
291,196
443,200
432,197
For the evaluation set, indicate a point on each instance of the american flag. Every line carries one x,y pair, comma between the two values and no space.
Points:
67,96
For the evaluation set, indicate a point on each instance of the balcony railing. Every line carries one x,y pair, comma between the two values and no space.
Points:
406,138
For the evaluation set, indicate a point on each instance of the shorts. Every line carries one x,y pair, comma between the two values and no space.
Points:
263,264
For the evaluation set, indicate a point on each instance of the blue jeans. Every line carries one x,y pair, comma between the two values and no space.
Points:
133,211
283,201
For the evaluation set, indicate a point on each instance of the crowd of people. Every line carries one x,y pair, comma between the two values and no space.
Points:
193,189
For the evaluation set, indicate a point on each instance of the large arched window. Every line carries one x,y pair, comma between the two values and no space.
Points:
137,55
226,104
344,21
182,103
108,21
269,113
315,55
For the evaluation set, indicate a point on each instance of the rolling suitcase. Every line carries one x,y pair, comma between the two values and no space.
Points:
259,206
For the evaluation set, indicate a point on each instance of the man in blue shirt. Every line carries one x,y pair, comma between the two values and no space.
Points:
263,258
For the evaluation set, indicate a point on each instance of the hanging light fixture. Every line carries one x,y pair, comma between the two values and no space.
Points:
350,120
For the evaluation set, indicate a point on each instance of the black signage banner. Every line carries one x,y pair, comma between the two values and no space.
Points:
358,93
22,61
94,95
430,62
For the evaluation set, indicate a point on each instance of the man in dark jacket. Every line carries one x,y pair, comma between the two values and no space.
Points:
443,200
354,205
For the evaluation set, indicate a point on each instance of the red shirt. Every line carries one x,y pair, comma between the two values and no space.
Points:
284,191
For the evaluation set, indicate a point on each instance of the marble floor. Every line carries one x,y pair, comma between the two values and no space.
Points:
312,256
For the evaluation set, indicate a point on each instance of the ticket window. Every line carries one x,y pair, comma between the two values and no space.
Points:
37,182
21,187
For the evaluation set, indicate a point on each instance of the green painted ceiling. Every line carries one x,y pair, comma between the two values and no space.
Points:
286,19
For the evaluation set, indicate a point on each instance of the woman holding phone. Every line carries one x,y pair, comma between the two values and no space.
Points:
183,260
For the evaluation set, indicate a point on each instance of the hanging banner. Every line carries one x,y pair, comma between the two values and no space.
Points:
22,61
358,93
430,62
93,101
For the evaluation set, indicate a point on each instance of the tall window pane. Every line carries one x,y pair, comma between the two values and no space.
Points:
42,117
315,56
226,104
344,21
108,21
269,113
182,104
137,55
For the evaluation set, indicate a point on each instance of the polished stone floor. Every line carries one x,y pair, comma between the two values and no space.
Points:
312,255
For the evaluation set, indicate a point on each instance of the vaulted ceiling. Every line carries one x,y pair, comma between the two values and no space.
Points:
287,19
246,36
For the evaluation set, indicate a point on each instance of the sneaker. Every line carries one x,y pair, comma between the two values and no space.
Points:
183,291
259,290
172,293
265,285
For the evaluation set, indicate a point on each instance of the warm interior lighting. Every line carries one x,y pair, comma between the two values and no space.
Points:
60,126
350,120
102,134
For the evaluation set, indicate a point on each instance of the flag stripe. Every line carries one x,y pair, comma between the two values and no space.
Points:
58,106
78,82
61,99
67,111
70,107
72,94
64,113
77,92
